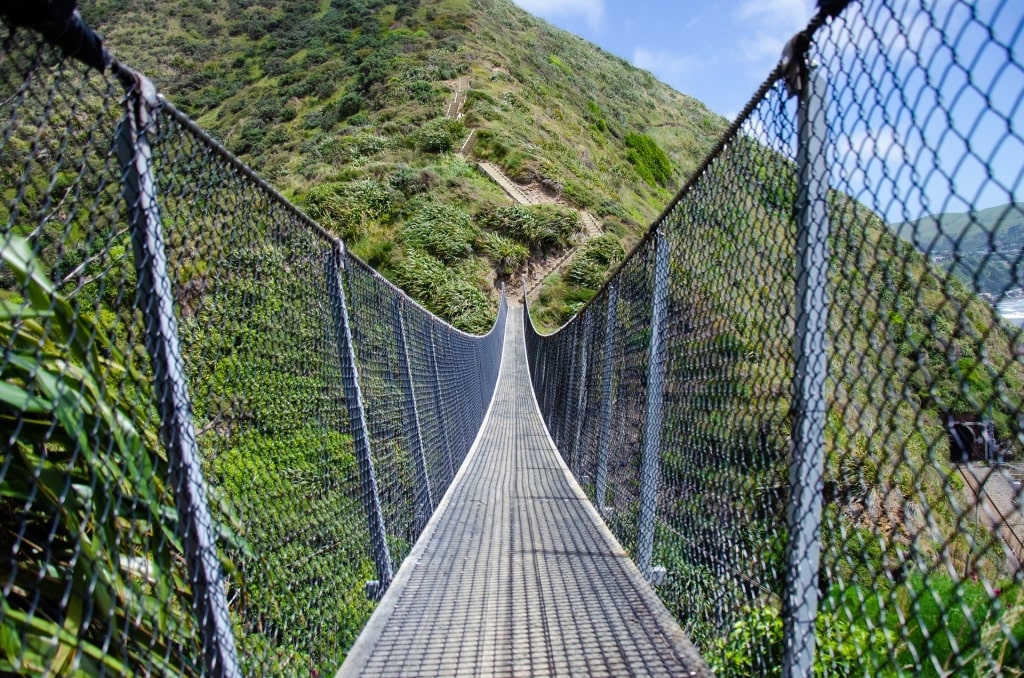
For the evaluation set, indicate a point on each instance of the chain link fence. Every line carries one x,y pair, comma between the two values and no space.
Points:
218,424
798,402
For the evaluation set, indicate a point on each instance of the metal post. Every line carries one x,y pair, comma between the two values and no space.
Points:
357,422
566,399
177,429
581,397
650,462
426,499
807,468
442,417
601,475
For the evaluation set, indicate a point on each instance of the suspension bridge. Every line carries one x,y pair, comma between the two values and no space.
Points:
233,448
517,573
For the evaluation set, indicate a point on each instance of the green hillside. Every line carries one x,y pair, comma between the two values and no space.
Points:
342,105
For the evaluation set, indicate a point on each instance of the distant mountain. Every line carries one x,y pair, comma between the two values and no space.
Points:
981,247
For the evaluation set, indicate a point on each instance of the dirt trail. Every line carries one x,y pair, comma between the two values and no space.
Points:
529,194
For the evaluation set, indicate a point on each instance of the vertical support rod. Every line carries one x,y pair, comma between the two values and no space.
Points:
177,429
803,549
357,422
581,396
604,438
650,462
442,418
426,499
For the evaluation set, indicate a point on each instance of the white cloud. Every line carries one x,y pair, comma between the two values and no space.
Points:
670,67
766,26
787,15
761,48
592,11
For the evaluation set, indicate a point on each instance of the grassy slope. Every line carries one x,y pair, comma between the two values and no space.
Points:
339,94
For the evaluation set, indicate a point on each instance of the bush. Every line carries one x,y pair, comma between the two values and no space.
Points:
444,291
343,208
85,485
440,135
348,105
754,646
507,255
442,230
650,161
411,182
589,267
422,91
538,227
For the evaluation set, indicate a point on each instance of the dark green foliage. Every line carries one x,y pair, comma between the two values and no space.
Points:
444,291
86,482
440,135
648,159
589,267
444,231
507,255
412,182
422,91
348,105
345,208
541,228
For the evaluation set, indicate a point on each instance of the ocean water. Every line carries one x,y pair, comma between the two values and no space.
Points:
1012,310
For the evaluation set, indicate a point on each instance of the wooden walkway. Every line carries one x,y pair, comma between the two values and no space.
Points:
516,574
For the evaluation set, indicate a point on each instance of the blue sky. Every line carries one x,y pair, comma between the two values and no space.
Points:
718,52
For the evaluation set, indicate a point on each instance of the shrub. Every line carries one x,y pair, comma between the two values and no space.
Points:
411,182
507,255
444,231
754,645
440,135
599,254
348,105
595,116
422,91
444,291
86,479
648,159
538,227
344,207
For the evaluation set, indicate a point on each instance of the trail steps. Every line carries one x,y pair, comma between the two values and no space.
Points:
537,271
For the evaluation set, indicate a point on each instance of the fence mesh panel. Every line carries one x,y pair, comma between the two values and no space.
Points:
95,574
90,543
457,374
921,527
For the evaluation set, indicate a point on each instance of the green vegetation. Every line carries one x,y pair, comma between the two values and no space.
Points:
858,628
340,103
320,95
922,348
649,160
98,556
539,228
589,267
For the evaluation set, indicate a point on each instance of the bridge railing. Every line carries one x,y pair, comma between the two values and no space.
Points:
795,402
218,424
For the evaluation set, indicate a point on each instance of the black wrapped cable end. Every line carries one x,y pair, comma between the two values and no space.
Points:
832,8
61,24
